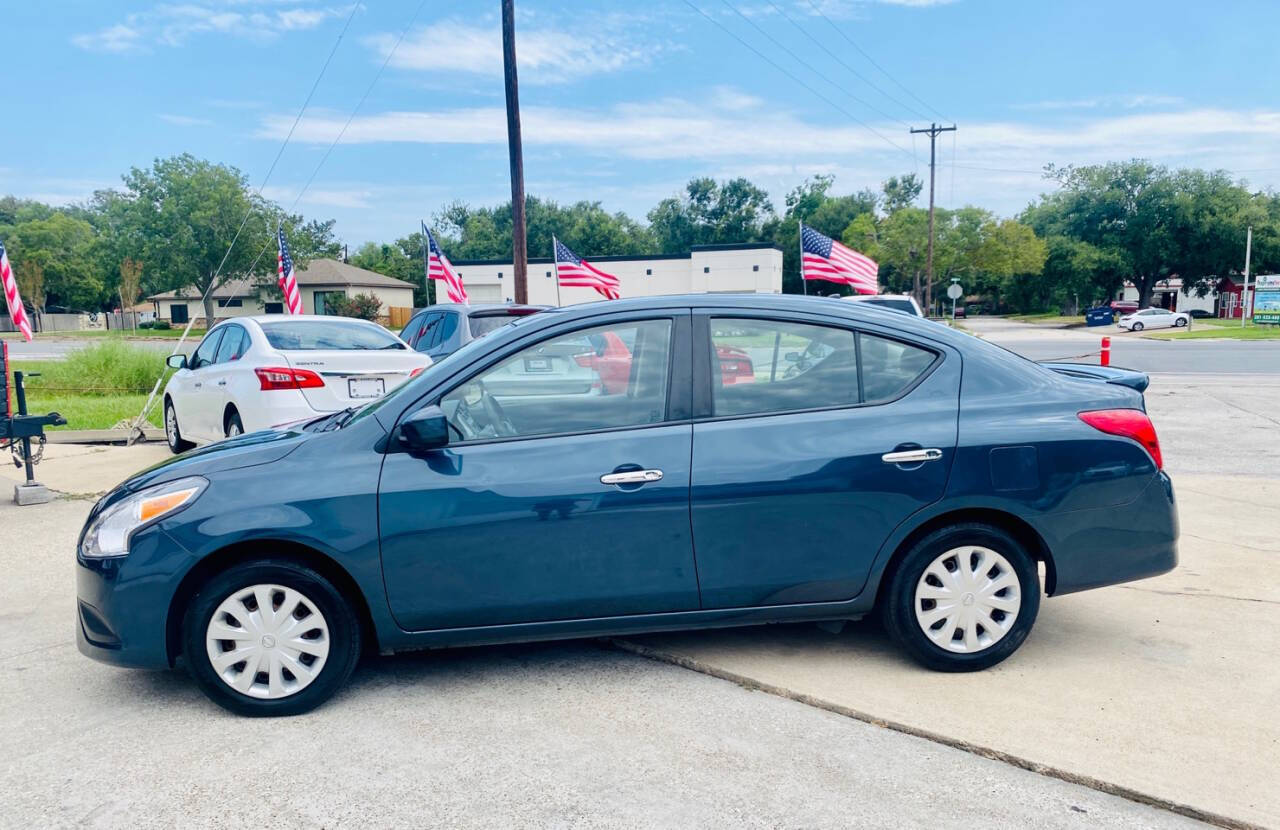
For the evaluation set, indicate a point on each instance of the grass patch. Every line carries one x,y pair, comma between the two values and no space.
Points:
1220,333
1049,317
94,387
90,411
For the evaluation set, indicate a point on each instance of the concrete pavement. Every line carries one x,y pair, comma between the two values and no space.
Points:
533,736
1215,357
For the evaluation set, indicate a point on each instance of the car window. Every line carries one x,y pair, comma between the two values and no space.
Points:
563,385
776,366
207,349
230,348
484,324
889,366
337,335
448,326
428,328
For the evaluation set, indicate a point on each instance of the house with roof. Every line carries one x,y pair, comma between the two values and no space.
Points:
319,282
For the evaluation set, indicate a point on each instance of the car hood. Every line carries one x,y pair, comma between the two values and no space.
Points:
244,451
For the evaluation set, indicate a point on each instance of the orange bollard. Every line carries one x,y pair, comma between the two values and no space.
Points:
1106,352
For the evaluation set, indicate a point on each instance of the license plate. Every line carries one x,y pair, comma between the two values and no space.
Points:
366,387
537,364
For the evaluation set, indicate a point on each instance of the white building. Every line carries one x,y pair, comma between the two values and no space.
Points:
1168,294
752,268
321,278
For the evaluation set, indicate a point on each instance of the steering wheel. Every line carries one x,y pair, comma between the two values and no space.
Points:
497,417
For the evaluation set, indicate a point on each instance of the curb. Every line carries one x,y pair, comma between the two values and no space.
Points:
955,743
100,436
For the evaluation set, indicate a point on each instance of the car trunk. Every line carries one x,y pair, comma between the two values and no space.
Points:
348,377
1132,378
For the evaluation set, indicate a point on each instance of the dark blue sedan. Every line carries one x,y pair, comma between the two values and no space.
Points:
867,461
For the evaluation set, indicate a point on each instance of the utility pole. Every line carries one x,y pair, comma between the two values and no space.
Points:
519,254
1244,295
933,130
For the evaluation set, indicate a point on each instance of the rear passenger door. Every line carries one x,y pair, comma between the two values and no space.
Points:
795,481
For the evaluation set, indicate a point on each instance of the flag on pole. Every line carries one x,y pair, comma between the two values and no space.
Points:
573,270
16,312
286,277
822,258
439,268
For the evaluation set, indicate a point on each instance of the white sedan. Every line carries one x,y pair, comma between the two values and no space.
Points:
252,373
1154,318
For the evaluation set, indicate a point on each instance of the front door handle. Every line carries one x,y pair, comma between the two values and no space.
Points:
911,456
222,383
632,477
197,384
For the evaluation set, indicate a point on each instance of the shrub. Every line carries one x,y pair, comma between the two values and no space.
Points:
146,324
363,306
161,324
111,368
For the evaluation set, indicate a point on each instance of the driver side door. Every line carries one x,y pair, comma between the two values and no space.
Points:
539,509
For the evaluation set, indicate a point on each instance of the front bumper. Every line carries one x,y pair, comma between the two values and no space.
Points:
1109,545
122,604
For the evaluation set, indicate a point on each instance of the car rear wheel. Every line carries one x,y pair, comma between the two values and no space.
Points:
270,638
234,426
1137,327
963,598
171,432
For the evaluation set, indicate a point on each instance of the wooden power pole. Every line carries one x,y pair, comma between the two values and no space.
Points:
933,130
519,242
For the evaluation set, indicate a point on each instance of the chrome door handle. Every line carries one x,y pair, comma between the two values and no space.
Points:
911,456
632,477
197,385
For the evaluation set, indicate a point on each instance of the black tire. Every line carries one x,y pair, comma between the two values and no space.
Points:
233,420
343,625
1137,327
899,597
172,434
1180,322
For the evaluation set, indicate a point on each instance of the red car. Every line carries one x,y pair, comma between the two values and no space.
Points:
612,361
1124,306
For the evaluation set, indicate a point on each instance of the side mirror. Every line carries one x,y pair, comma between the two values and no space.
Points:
791,357
426,429
176,361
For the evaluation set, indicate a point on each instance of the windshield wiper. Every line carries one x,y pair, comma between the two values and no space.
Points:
344,417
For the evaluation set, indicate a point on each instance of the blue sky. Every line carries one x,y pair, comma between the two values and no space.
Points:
624,102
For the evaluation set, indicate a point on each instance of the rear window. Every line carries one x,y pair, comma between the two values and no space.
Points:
898,305
333,335
480,326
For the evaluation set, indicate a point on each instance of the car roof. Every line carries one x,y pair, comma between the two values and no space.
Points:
474,308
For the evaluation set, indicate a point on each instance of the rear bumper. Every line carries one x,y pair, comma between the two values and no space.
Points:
1106,546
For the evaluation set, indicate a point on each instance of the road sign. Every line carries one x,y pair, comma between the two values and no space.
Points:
1266,299
954,291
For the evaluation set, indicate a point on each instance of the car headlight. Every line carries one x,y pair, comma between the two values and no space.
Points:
110,531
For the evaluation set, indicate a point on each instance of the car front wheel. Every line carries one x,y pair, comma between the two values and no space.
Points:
1180,322
1136,327
171,432
234,426
270,638
963,598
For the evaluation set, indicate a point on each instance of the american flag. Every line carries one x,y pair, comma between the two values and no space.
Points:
286,276
439,268
16,312
822,258
573,270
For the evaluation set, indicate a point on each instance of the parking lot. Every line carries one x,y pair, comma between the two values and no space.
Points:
1159,693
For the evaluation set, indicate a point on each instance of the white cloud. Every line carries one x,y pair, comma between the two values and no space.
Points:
545,55
118,38
174,24
1127,101
998,163
185,120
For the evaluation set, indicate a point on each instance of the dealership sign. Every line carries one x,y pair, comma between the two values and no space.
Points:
1266,299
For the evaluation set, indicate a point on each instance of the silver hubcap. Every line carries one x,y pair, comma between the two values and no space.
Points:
967,599
233,429
267,641
171,425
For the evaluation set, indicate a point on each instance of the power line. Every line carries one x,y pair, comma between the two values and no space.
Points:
808,65
872,60
842,62
793,77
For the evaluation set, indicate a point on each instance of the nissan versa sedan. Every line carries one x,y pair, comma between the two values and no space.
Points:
878,463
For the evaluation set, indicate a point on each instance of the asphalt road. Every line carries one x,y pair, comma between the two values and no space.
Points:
1214,357
574,734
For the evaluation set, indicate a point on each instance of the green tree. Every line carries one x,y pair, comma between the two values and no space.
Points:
711,213
180,216
900,192
62,247
361,306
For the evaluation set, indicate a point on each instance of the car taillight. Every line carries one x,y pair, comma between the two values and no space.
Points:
1127,423
416,372
275,377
